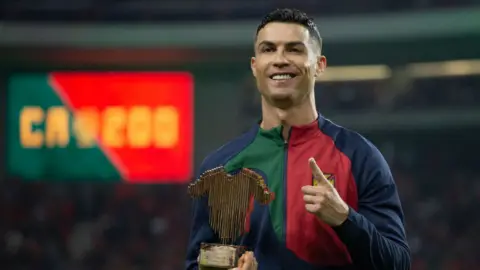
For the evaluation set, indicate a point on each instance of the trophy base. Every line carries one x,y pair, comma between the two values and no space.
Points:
217,256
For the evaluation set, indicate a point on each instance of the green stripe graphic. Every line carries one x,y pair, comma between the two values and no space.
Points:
266,154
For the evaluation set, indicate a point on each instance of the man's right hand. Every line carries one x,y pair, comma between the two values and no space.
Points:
247,262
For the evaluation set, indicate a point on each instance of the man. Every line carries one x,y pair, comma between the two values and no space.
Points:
346,215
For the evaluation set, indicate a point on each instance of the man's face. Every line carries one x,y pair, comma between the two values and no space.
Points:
286,63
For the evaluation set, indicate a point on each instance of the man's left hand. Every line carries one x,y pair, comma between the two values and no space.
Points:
323,199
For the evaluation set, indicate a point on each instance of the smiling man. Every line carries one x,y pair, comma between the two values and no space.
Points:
336,204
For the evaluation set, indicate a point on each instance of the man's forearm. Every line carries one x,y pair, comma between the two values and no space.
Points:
370,249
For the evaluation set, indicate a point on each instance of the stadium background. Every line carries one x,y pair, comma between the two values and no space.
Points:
404,73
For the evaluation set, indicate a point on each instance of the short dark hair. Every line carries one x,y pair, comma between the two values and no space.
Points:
290,15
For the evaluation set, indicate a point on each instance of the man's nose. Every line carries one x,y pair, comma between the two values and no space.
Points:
280,64
280,60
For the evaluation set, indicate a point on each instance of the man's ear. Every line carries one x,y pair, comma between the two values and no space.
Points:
253,66
321,65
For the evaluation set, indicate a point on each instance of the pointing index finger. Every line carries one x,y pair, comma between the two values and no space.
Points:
317,173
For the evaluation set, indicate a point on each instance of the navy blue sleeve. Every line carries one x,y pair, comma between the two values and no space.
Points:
375,235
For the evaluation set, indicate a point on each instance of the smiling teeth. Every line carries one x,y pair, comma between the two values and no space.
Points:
282,77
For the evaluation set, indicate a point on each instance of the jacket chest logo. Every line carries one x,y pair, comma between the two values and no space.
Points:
330,177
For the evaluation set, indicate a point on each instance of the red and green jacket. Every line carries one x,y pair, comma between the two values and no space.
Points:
282,234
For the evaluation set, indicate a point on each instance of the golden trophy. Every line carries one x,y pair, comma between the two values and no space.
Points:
229,202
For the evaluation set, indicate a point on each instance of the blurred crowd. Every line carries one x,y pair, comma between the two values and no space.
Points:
418,94
127,227
92,226
195,10
439,184
385,95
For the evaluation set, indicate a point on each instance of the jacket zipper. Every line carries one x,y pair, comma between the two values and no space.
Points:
284,233
285,147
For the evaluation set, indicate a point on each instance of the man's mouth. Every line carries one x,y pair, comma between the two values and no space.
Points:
282,76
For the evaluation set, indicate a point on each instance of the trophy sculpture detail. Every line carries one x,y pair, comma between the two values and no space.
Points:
229,198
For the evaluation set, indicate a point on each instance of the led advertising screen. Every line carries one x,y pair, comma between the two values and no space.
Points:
101,126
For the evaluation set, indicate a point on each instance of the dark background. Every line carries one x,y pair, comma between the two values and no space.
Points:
427,128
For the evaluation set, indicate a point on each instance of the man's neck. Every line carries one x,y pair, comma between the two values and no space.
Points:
300,115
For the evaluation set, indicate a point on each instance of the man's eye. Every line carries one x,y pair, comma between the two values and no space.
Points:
267,49
295,50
